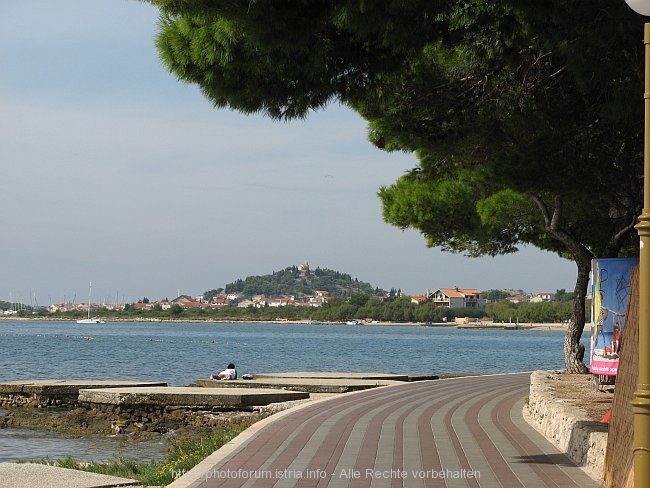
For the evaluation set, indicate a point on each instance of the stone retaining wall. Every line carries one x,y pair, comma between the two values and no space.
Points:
34,400
567,426
57,393
139,420
155,418
143,420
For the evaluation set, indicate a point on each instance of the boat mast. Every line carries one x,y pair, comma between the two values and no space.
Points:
90,289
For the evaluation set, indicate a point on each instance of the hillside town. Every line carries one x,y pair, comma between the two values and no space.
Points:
449,297
453,298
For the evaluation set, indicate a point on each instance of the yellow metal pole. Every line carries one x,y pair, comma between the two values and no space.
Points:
641,402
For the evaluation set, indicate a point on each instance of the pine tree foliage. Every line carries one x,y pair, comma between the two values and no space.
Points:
526,117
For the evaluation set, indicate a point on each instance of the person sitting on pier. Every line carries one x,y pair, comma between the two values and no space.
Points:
230,373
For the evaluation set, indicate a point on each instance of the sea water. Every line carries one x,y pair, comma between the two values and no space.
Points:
41,444
179,353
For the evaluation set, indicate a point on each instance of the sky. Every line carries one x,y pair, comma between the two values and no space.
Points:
114,172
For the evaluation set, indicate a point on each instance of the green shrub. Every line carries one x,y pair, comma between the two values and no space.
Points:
182,456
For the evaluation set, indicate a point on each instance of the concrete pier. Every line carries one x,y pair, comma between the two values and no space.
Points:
316,382
42,393
328,375
187,396
309,385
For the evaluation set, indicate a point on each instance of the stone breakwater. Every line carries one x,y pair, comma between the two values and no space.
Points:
147,418
37,401
57,393
141,422
135,409
566,425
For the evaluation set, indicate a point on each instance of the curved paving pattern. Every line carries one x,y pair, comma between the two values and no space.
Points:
460,432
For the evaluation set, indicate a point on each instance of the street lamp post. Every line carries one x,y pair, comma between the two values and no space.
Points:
641,402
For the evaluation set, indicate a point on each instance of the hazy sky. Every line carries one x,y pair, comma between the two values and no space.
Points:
116,173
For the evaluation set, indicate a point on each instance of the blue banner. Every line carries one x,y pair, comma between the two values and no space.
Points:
610,295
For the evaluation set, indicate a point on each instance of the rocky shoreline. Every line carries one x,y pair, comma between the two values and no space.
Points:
144,422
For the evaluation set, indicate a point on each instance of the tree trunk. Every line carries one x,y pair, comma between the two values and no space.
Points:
574,351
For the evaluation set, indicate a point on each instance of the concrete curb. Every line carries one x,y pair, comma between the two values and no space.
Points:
566,426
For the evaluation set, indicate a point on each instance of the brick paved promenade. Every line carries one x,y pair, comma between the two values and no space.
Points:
460,432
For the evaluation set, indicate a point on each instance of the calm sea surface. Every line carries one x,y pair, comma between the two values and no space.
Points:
180,353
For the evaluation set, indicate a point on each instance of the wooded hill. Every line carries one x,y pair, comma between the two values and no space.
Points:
302,283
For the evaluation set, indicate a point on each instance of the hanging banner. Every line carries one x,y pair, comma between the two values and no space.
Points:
610,294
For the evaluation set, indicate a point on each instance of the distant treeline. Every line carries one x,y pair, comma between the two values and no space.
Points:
359,306
544,312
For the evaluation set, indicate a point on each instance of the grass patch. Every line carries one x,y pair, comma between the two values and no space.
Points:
183,455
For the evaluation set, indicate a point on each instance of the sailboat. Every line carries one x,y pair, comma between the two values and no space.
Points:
90,320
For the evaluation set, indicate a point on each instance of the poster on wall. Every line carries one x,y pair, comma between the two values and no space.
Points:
610,294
